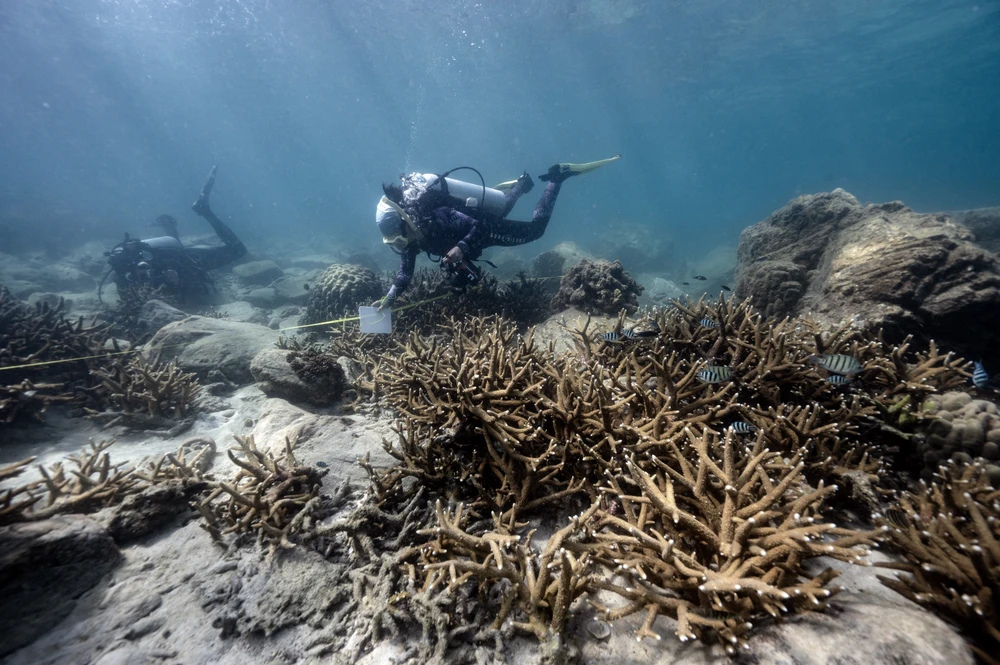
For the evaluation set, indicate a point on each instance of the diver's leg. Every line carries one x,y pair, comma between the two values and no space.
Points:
226,235
521,187
210,258
508,233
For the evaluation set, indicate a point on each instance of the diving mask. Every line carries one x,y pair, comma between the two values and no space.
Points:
392,221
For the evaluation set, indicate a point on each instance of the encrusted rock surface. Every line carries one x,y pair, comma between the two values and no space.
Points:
559,259
44,567
984,222
599,287
199,344
829,255
340,288
155,314
314,378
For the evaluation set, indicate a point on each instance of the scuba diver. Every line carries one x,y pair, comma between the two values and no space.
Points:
456,220
164,263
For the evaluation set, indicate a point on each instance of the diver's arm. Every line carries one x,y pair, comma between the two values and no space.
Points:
407,264
471,243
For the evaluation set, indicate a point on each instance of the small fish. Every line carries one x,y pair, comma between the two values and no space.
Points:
686,283
742,427
321,464
726,288
708,323
980,379
305,286
628,333
715,374
838,380
700,278
611,337
837,363
645,334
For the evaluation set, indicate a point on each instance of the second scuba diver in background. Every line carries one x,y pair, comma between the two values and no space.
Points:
164,263
456,220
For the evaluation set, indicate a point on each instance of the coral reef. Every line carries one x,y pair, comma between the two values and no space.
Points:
959,428
36,347
600,286
947,535
677,513
276,499
340,289
146,393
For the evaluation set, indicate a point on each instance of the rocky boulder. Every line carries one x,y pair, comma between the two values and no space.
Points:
599,286
44,567
299,376
883,264
155,314
558,260
984,223
199,344
258,273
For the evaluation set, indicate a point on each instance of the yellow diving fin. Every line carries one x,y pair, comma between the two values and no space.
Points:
565,170
504,186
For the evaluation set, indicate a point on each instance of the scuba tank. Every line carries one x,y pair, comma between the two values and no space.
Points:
466,195
163,242
427,191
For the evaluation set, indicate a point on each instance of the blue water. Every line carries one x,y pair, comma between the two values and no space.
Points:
112,112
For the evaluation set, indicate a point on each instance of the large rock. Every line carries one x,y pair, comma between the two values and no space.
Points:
559,259
44,567
293,290
984,223
310,377
155,314
199,344
258,273
841,261
600,287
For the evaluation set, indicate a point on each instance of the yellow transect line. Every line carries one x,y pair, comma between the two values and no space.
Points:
309,325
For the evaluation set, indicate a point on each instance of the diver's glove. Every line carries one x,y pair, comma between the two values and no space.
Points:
387,300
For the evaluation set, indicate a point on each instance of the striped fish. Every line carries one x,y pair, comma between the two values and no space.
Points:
980,379
708,323
645,334
742,427
715,374
628,333
838,380
837,363
612,337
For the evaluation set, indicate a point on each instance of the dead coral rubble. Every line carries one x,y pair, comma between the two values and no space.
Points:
948,533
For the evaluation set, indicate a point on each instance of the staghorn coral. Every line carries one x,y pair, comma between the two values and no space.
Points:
597,286
37,348
947,533
275,498
147,392
93,483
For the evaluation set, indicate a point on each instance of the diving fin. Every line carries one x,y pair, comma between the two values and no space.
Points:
559,172
201,205
526,183
504,186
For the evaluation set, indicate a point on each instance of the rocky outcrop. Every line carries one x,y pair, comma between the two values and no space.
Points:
559,259
598,287
199,344
44,567
258,273
909,273
984,223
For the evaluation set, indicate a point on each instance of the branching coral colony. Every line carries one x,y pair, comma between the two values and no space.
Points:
701,453
949,534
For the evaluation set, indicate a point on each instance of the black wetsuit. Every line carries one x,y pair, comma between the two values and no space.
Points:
446,227
165,264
